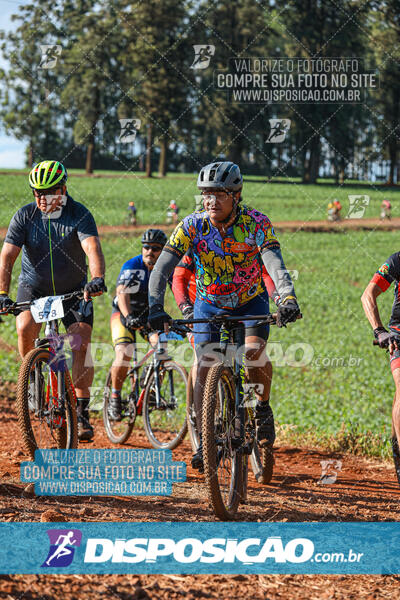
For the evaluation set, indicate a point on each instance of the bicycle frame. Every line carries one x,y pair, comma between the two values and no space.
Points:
136,365
54,341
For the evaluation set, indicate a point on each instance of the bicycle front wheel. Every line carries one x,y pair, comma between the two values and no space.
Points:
119,431
223,464
43,422
165,421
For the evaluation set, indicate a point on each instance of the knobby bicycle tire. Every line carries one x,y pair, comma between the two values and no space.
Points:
65,436
126,426
262,463
191,414
224,510
148,407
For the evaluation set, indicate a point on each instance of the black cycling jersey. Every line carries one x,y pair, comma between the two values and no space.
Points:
53,260
386,274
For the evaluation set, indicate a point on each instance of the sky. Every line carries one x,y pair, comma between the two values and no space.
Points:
12,151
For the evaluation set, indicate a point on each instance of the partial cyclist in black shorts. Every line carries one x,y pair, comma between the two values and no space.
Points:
131,310
388,338
56,235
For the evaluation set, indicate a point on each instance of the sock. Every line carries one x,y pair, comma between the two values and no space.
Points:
115,393
83,405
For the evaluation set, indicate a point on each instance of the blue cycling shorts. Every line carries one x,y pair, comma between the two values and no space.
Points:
209,332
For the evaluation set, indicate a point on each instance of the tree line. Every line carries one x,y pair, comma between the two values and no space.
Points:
123,60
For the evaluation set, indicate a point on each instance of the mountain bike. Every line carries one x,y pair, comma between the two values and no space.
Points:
228,421
46,399
394,440
157,394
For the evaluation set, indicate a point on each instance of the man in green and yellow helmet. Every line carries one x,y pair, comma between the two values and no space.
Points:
56,234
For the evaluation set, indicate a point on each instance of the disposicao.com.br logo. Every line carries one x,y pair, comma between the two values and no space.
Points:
62,547
212,550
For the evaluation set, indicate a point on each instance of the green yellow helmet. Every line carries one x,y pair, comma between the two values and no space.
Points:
47,174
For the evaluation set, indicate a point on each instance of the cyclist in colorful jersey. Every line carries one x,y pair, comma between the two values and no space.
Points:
56,235
230,242
131,310
388,338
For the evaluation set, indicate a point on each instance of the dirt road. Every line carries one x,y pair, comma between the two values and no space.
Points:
365,490
292,226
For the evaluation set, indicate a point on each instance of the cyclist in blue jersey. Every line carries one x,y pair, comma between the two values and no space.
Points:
131,310
56,235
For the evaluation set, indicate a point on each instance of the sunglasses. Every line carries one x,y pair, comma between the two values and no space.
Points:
55,191
217,194
153,248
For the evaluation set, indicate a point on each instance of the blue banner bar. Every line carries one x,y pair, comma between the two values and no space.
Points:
309,548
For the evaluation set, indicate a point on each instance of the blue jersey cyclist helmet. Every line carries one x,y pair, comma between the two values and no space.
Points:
154,236
223,175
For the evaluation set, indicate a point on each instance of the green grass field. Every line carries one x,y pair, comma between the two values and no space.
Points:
342,392
108,197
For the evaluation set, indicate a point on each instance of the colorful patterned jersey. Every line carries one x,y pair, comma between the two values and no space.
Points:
388,272
229,268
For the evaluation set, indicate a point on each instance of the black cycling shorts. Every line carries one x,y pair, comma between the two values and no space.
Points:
75,310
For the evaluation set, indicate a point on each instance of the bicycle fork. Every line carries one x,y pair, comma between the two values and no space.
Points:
240,410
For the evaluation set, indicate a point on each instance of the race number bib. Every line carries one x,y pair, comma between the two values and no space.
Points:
47,309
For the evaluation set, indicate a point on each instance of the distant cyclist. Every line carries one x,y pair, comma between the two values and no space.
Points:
132,211
131,310
230,242
172,213
389,338
56,235
386,210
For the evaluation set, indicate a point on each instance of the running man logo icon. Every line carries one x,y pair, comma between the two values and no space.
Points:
129,129
329,471
279,129
357,206
50,55
249,394
202,55
62,547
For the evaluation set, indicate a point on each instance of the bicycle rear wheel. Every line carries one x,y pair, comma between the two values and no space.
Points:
223,464
191,414
261,457
119,431
42,422
165,425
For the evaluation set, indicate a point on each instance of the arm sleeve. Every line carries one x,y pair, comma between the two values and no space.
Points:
273,261
180,286
270,286
16,231
388,272
86,226
160,274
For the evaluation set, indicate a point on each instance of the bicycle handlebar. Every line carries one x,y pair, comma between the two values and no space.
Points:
182,324
17,307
